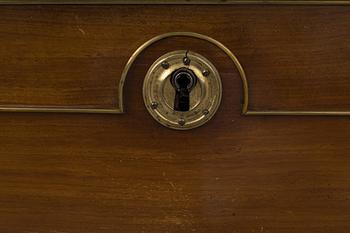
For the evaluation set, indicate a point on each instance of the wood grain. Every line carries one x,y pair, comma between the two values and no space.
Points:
79,173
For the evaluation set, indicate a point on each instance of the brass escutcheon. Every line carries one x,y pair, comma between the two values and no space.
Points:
202,91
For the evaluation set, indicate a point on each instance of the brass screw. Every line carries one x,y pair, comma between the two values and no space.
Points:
186,61
205,112
182,122
206,73
154,105
165,64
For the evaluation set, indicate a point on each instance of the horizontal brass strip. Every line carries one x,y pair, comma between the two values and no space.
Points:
59,110
296,113
187,2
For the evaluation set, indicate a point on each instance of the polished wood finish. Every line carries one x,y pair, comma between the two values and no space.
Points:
125,173
73,56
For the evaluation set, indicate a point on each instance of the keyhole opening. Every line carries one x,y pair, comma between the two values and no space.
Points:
183,80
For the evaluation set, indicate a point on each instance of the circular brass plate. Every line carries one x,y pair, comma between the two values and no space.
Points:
159,94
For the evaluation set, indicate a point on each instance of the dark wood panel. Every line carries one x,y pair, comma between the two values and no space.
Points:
126,173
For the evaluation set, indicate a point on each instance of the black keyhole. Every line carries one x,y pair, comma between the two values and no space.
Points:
183,80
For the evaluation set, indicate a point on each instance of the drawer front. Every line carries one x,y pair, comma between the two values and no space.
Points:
274,158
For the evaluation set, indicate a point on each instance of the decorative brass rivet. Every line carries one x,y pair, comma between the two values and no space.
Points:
205,112
165,65
206,73
182,122
154,105
186,61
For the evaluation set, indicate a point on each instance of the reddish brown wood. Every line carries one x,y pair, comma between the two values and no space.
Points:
125,173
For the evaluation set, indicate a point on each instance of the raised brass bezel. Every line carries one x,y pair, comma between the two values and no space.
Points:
159,94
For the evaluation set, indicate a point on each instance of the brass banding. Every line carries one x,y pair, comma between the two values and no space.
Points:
245,98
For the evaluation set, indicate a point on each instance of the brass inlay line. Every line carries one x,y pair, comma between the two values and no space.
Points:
58,110
187,2
297,113
67,109
231,55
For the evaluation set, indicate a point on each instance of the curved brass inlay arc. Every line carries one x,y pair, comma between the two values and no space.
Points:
192,35
245,101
